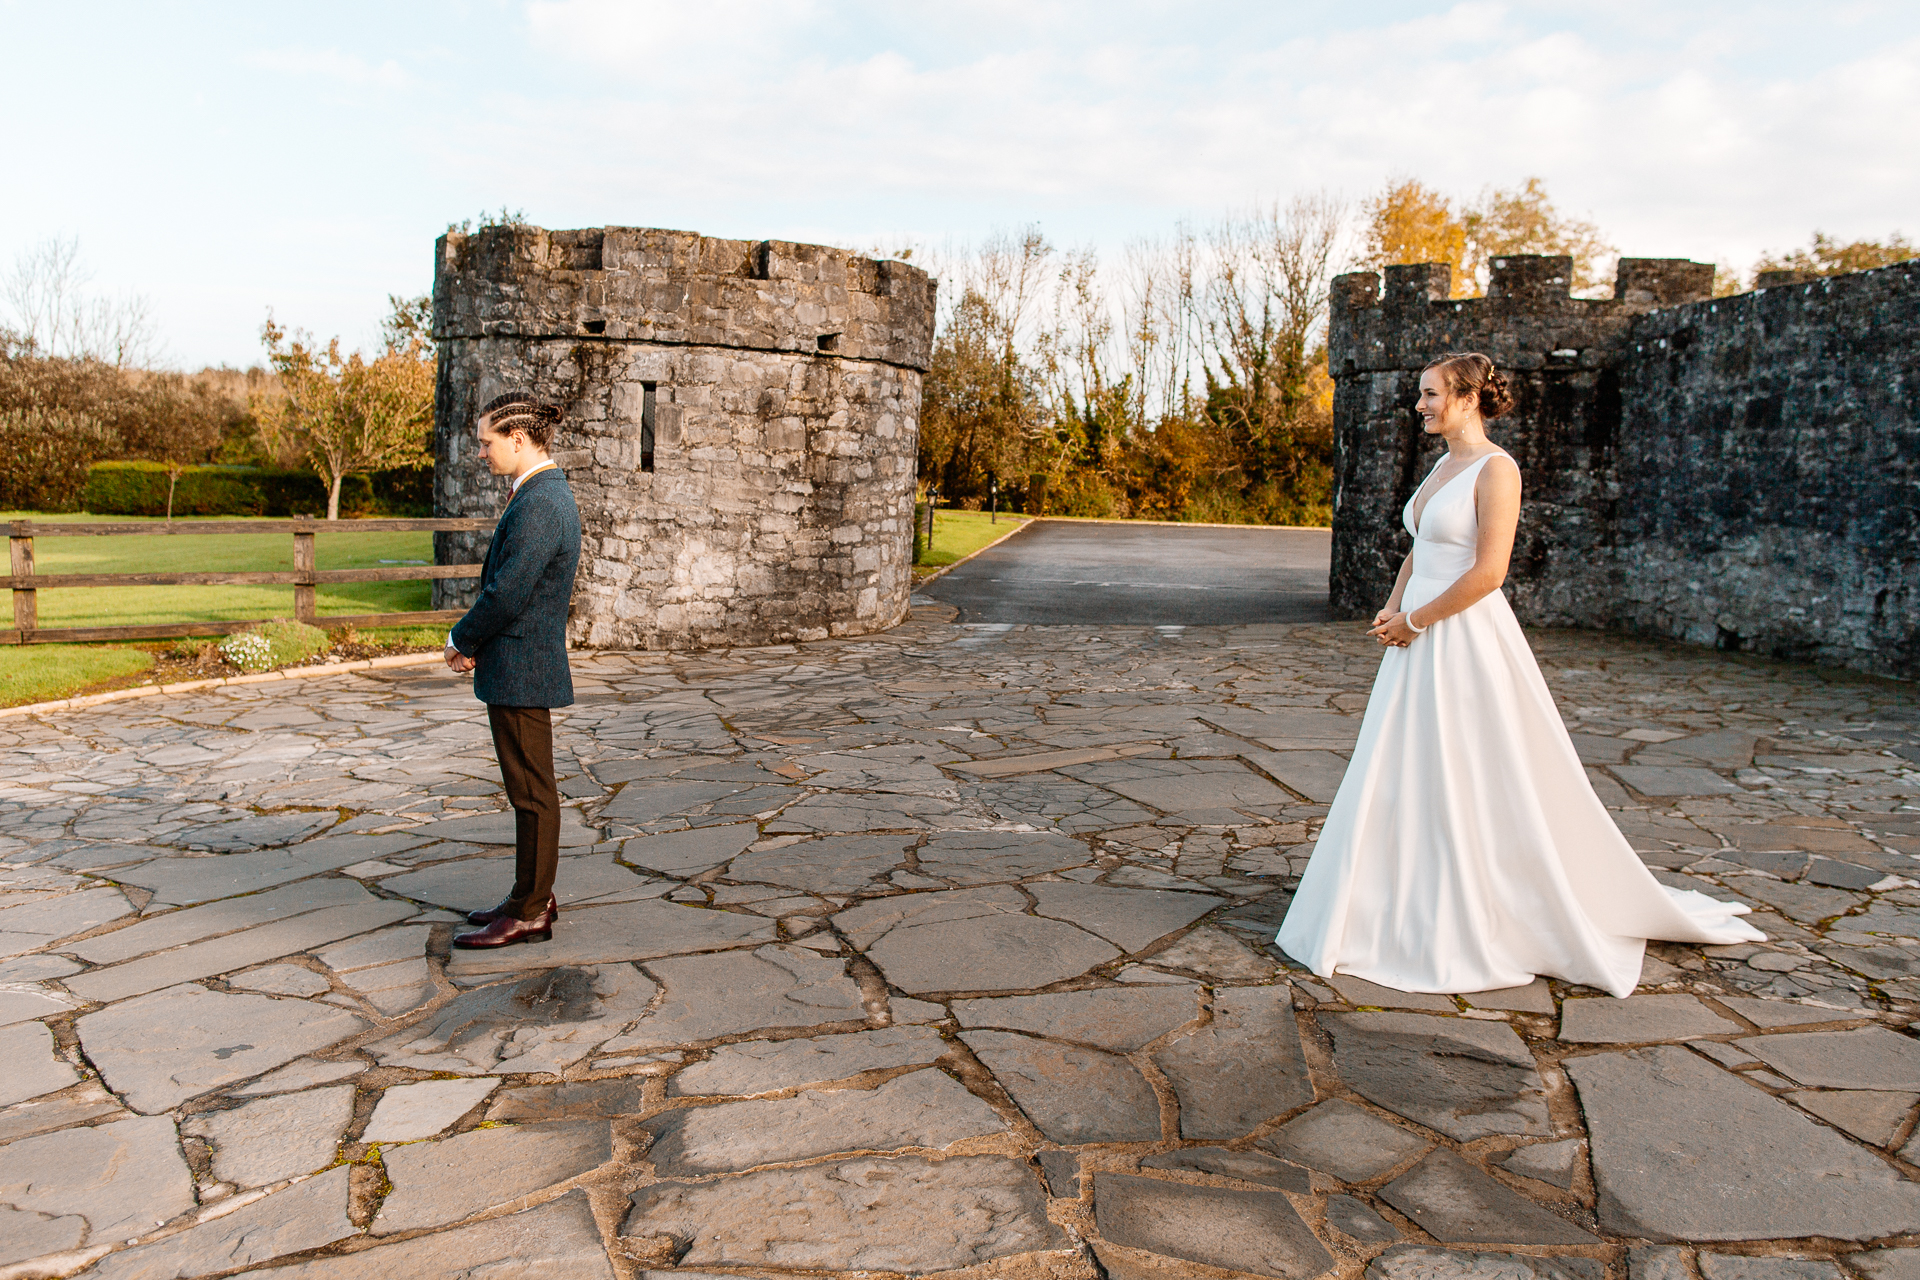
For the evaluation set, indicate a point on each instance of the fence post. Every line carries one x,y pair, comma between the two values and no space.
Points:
303,564
26,601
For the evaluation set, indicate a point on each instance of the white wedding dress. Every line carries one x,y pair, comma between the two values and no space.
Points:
1465,850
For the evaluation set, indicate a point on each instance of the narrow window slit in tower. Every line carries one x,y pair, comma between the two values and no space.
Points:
596,326
829,342
646,424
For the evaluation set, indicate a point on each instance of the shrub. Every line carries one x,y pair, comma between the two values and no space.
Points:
293,641
152,414
302,493
404,492
279,643
1086,494
140,489
47,456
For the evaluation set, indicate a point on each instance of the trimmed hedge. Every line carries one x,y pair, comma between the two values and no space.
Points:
140,489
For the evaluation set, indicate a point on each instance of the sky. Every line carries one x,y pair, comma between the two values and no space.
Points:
224,160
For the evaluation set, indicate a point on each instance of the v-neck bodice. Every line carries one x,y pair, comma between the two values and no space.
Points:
1448,534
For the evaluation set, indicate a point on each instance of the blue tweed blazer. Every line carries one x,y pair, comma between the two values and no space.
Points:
517,629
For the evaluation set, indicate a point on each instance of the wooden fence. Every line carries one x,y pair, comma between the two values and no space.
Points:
303,577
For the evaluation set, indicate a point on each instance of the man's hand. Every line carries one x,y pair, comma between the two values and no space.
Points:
459,662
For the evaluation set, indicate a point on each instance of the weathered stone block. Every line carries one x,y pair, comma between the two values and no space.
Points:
920,1109
1685,1151
1252,1231
1073,1095
1455,1202
905,1214
1243,1069
437,1182
1466,1079
1424,1262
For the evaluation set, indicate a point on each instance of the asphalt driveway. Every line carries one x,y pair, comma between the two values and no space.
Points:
1068,573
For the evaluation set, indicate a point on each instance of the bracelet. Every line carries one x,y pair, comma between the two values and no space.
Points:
1413,626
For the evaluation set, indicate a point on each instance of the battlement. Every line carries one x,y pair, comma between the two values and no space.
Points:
649,285
1529,304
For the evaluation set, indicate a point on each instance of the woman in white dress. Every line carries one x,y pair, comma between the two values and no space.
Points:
1465,850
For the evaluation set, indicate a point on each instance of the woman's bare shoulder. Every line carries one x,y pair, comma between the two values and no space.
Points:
1501,474
1494,466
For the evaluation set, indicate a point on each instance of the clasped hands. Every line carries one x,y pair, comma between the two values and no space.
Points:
459,662
1391,630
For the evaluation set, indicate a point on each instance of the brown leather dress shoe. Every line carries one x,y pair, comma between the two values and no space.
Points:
487,915
506,930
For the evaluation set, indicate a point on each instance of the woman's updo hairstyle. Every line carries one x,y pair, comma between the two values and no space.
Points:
1468,373
518,411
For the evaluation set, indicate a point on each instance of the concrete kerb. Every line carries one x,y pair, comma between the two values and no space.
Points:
190,686
1027,523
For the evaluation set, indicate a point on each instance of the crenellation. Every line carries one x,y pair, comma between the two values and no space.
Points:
1662,282
767,440
1524,278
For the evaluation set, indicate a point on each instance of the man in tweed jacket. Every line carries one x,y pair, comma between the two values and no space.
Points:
514,640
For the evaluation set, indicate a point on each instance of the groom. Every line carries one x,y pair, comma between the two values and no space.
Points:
514,640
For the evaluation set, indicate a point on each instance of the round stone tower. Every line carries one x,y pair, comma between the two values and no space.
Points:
741,424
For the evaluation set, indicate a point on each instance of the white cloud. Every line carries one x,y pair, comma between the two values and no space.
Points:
329,64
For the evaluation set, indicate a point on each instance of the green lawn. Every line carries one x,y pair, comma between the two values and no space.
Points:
42,672
217,553
957,534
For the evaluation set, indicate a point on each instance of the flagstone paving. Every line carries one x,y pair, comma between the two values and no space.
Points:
946,951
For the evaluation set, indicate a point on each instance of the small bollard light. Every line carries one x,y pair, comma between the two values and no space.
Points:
993,493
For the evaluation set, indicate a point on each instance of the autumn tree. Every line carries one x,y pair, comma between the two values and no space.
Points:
1524,220
1827,256
346,413
980,406
409,323
1408,222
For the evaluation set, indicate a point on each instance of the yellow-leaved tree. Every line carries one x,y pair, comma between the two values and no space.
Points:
1408,222
1828,256
346,413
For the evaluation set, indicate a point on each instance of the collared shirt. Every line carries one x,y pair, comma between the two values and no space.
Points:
511,491
522,477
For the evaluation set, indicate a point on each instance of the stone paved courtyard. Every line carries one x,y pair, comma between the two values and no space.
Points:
937,952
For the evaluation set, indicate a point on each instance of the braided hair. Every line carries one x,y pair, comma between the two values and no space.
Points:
518,411
1469,373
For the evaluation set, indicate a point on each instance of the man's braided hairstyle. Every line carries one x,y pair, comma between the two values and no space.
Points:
518,411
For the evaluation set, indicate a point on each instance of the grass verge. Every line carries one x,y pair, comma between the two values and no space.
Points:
958,534
46,672
43,672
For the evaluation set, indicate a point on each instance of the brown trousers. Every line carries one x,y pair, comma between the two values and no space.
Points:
523,739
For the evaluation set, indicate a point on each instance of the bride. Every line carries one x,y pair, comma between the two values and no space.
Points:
1465,850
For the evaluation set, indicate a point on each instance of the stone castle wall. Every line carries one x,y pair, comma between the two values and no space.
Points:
781,383
1738,471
